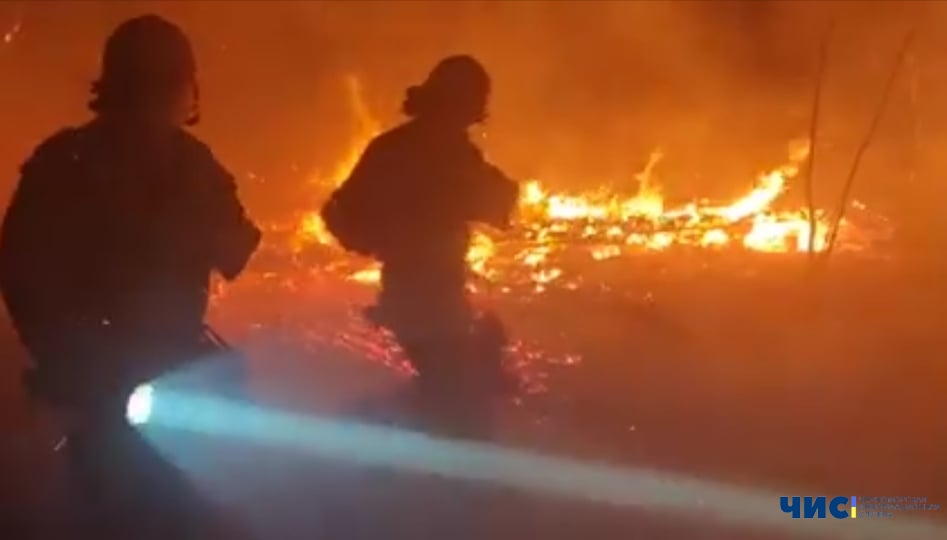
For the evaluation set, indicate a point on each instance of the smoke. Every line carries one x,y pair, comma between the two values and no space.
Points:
584,91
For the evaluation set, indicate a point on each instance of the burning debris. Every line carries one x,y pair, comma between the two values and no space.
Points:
556,238
599,225
316,317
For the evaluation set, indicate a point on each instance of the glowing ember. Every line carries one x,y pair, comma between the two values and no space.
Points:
551,231
11,34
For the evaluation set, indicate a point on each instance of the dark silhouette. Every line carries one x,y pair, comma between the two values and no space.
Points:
106,252
410,202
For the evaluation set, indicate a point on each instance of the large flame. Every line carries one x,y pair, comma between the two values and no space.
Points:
606,224
366,129
311,228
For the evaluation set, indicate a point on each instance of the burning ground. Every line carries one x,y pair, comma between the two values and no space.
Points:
679,337
605,224
653,327
689,337
564,242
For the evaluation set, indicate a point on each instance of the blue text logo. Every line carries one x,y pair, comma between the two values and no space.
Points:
812,507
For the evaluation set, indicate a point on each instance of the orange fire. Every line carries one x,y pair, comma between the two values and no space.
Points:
606,225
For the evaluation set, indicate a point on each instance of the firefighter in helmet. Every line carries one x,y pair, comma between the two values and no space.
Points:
106,253
410,203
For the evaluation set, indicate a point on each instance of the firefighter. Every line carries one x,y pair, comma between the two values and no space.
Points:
106,253
410,202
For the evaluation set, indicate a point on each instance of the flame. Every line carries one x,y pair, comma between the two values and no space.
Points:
609,225
370,275
366,129
482,249
310,228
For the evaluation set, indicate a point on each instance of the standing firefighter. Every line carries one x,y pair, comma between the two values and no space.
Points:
105,257
410,202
